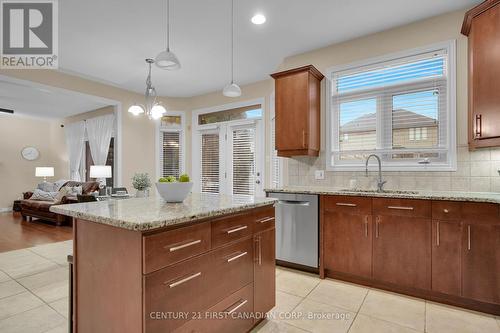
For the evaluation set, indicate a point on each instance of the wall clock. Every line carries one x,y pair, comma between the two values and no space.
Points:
30,153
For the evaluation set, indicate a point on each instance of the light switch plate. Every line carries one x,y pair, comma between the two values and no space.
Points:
319,174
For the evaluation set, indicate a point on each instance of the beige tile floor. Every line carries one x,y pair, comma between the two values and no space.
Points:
34,299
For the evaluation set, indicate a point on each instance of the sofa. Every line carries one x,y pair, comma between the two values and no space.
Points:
41,209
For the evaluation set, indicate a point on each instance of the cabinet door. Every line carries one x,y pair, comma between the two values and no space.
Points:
265,271
446,257
481,262
485,76
292,111
348,243
402,251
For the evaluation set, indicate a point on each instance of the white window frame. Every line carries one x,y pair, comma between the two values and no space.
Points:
332,124
272,149
195,139
158,139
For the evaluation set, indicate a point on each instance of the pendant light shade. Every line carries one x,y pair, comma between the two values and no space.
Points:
167,59
158,111
232,90
136,109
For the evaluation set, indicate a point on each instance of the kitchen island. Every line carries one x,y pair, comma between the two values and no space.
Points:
142,265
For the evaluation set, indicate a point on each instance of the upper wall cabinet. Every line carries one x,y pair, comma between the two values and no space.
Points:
297,122
482,26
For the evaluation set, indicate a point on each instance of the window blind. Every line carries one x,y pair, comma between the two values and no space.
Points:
275,162
209,162
397,109
171,154
243,150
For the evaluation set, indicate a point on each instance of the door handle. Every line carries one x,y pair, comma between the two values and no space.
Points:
366,226
239,255
479,126
182,246
184,280
346,204
239,228
468,238
377,222
293,203
437,234
240,303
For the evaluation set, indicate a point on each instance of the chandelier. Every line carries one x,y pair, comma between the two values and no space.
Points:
152,108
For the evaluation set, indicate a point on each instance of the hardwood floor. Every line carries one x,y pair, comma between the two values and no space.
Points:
18,234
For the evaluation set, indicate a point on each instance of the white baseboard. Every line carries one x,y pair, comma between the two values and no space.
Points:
6,210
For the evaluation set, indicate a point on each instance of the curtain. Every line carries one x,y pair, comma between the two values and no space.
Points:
75,133
99,132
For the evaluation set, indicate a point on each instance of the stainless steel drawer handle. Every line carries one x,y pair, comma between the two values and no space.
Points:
346,204
230,231
237,256
400,207
182,246
293,203
266,219
186,279
241,302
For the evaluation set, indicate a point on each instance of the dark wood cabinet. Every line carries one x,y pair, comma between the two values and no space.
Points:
445,251
401,252
297,109
348,243
482,26
264,271
481,261
446,257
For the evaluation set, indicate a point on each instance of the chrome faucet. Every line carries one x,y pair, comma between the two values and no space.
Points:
380,183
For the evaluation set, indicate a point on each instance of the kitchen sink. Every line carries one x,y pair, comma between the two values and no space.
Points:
375,191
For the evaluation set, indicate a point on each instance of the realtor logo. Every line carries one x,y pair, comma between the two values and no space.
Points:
29,34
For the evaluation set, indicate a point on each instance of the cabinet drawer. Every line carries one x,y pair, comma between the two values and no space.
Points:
225,316
169,247
347,204
183,287
228,229
446,210
402,207
488,212
263,220
232,268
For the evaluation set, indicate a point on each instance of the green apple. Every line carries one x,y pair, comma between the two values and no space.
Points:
169,179
184,178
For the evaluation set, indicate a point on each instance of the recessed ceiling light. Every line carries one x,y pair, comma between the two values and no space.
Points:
258,19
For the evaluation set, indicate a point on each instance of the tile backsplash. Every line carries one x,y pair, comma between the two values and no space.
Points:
477,171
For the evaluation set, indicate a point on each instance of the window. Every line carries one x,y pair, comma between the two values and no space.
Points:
228,152
400,107
171,142
276,161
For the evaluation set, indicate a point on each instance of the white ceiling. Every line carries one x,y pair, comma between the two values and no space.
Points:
109,40
29,99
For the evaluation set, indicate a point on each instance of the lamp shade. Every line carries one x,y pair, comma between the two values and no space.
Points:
167,60
232,90
44,172
100,171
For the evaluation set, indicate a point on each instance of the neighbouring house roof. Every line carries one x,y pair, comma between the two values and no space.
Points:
401,119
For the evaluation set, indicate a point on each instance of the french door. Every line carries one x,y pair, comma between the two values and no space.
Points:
231,158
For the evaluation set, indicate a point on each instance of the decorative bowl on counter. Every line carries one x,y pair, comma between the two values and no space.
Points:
174,191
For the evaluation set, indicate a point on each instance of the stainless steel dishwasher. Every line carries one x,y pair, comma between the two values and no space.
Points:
297,228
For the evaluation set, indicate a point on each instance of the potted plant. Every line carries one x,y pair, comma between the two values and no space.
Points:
141,182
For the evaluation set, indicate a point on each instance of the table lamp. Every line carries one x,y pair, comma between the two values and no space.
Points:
100,173
44,172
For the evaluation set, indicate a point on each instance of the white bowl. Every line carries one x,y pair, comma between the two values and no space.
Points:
174,192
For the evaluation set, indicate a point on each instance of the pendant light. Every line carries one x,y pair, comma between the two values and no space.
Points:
232,89
151,107
167,59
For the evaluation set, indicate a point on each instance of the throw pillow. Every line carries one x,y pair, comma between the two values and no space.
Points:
43,195
60,183
46,187
62,193
73,191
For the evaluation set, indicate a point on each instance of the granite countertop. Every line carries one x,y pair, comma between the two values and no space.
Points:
434,195
144,214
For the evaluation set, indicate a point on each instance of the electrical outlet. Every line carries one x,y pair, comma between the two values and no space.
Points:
319,174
